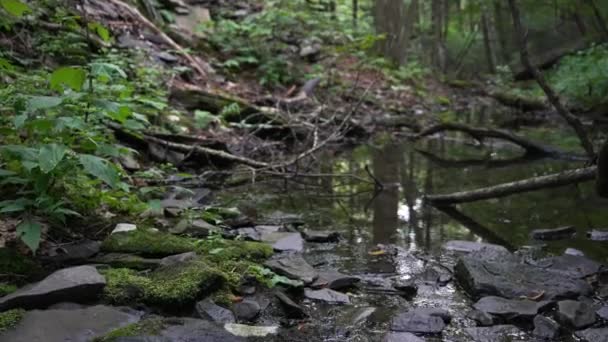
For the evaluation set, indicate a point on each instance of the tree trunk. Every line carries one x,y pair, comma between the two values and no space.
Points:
499,22
438,50
355,13
598,18
487,42
391,20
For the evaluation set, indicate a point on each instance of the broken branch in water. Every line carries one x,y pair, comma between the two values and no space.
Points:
507,189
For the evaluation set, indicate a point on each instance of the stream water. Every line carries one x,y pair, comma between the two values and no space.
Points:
397,216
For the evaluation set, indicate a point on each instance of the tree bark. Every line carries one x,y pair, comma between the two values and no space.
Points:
507,189
572,120
355,13
598,18
499,22
487,41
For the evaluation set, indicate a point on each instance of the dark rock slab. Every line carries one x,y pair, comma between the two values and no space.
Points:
497,333
593,335
74,325
598,235
483,319
602,312
417,322
334,280
401,337
553,234
75,284
194,228
512,280
576,314
352,316
545,328
470,246
177,259
321,236
207,309
290,242
509,308
572,265
294,267
436,312
327,295
197,330
246,310
74,252
408,288
292,309
249,233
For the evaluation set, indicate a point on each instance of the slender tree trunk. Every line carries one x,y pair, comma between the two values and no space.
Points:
501,33
438,50
355,13
572,120
598,18
580,23
487,42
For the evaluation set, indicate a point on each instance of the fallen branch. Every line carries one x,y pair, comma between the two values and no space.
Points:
507,189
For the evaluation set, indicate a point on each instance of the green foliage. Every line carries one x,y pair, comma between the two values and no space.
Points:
148,243
271,279
146,327
16,265
10,318
15,7
6,289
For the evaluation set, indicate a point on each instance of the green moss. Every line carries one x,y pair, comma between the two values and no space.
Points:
220,250
10,318
13,263
147,327
6,289
166,287
147,242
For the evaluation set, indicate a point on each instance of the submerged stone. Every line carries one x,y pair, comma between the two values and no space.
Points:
75,284
321,236
294,267
497,333
207,309
334,280
417,322
327,295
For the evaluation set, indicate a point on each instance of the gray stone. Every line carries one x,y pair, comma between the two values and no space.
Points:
292,310
415,322
436,312
352,316
401,337
173,260
194,228
120,260
483,319
128,161
327,295
593,335
167,57
197,330
598,235
512,280
207,309
124,227
509,308
408,288
75,284
462,246
290,242
246,310
497,333
572,265
574,251
321,236
334,280
249,233
603,312
545,328
74,252
243,330
575,314
294,267
74,325
142,339
553,234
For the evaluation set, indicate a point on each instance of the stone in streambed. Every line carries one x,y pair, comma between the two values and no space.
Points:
509,308
327,295
575,314
497,333
75,284
246,310
593,335
603,312
598,235
483,319
462,246
417,322
292,310
545,328
401,337
243,330
334,280
294,267
553,234
321,236
207,309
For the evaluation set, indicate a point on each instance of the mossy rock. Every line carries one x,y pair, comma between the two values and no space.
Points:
147,327
17,265
221,250
171,287
10,319
148,243
6,289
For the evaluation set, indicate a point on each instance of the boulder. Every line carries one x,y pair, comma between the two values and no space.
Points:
545,328
575,314
497,333
321,236
294,267
75,284
74,324
246,310
593,335
512,280
401,337
417,322
173,260
334,280
603,313
290,242
292,310
553,234
509,309
327,295
207,309
483,319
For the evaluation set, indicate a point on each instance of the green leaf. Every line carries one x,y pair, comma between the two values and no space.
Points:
101,31
11,206
5,173
19,121
203,118
43,102
100,168
50,156
15,7
72,77
29,232
6,65
107,69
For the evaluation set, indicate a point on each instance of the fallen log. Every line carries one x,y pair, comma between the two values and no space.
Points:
523,103
512,188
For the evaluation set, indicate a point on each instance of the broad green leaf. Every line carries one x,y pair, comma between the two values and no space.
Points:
26,153
50,156
12,206
5,173
15,7
29,232
19,121
101,31
72,77
100,168
6,65
107,69
43,102
203,118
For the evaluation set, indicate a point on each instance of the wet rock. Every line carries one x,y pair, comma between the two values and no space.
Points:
249,233
417,322
553,234
483,319
408,287
294,267
593,335
167,57
512,280
194,228
246,310
142,339
573,251
123,260
401,337
598,235
207,309
189,329
327,295
321,236
128,161
436,312
509,309
124,227
334,280
291,242
292,310
75,284
352,316
573,266
280,218
177,259
603,313
462,246
575,313
497,333
74,252
246,290
75,324
247,331
545,328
